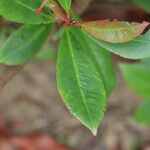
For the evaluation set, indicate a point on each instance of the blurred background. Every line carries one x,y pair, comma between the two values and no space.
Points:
32,114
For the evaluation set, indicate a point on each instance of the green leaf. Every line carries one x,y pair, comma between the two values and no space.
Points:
46,53
23,44
145,4
66,4
113,31
137,77
142,114
100,57
136,49
79,81
23,11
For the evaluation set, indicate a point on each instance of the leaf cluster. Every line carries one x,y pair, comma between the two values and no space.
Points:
85,71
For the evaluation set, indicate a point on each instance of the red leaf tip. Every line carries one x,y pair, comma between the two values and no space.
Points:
145,24
38,11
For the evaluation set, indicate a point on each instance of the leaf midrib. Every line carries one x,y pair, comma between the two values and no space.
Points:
101,76
65,4
113,29
78,80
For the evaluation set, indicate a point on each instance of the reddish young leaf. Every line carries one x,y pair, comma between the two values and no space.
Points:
59,16
113,31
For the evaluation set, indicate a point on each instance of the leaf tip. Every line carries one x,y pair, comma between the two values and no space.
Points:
146,23
38,11
94,132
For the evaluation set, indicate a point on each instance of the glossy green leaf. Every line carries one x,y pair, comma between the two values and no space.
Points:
23,11
136,49
66,4
142,114
113,31
145,4
100,57
23,44
79,82
137,77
